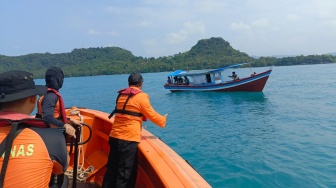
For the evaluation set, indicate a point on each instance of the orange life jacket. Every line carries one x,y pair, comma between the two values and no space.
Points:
130,92
128,127
59,112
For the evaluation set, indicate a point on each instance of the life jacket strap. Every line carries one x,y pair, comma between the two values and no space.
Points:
130,93
5,147
137,114
113,112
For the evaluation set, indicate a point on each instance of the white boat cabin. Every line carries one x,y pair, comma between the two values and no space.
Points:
200,77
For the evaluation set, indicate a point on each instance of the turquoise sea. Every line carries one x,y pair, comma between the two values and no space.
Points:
284,136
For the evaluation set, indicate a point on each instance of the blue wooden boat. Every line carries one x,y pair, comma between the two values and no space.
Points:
216,80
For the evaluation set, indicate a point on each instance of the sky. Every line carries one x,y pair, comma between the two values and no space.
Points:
157,28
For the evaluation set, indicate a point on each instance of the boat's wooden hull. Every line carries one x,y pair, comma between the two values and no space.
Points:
254,83
159,165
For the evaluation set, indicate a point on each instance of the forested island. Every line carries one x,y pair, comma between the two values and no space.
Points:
206,54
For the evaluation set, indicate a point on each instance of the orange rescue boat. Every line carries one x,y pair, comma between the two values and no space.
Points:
159,165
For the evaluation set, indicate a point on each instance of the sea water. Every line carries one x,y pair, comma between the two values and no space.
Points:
284,136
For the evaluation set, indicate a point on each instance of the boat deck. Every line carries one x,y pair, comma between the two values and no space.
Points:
158,165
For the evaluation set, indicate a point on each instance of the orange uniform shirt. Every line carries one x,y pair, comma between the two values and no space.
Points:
30,164
128,127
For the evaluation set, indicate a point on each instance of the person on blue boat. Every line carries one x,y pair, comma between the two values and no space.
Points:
132,108
169,81
175,80
186,80
234,76
180,80
30,150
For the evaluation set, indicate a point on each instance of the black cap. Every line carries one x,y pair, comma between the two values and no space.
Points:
135,79
15,85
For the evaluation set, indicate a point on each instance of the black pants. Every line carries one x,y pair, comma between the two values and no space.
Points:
122,165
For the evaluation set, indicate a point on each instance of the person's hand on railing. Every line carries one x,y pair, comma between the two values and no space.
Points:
70,130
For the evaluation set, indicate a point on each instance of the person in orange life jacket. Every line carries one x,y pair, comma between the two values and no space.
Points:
132,107
36,152
51,105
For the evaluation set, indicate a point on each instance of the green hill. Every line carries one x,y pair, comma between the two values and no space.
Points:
206,54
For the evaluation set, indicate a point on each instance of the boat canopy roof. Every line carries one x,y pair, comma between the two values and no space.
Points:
227,67
177,73
199,72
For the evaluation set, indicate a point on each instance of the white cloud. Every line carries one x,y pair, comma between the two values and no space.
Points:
177,37
145,23
211,6
189,28
260,23
162,27
150,42
112,33
151,47
100,33
115,10
194,27
293,17
240,26
330,24
94,32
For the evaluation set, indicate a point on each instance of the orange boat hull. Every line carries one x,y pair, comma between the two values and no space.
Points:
159,165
